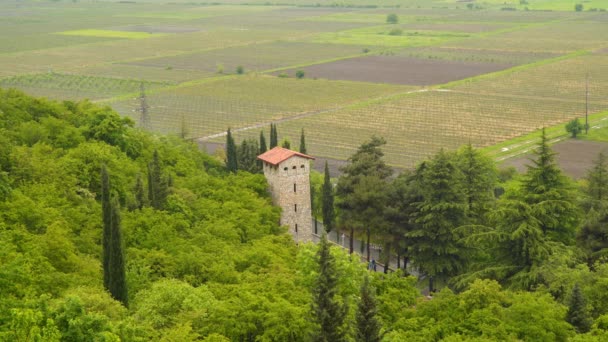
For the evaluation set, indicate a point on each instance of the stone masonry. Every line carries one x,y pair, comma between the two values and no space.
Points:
288,175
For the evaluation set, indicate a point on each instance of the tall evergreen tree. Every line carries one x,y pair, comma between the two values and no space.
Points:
231,153
274,139
368,325
114,277
362,190
329,313
479,178
118,278
578,314
328,201
263,147
247,156
140,194
434,245
550,193
598,179
158,187
302,142
106,208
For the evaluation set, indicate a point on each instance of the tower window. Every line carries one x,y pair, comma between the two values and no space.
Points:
294,187
294,167
296,227
295,208
285,168
302,166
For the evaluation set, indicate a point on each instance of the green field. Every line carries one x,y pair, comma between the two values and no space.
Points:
186,54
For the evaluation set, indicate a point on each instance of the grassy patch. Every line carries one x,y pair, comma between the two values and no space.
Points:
110,34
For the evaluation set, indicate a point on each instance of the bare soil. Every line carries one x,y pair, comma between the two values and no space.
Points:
398,70
574,157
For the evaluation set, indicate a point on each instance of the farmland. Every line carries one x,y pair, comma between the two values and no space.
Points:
444,74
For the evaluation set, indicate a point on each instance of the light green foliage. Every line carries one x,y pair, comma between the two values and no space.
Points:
574,127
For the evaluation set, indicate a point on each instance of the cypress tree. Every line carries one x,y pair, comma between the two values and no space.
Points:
302,142
263,147
114,277
578,315
106,208
274,140
158,187
368,326
231,153
247,156
328,312
328,201
140,194
118,278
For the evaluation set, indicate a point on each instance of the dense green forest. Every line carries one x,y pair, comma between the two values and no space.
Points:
205,260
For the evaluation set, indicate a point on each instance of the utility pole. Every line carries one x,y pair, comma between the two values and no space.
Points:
587,103
144,119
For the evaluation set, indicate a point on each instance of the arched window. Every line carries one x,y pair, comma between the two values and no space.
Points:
285,168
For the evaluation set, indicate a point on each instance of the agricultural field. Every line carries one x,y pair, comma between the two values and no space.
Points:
398,70
445,73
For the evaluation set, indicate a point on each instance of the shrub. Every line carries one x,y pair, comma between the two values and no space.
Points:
240,70
283,75
396,32
578,7
392,18
300,74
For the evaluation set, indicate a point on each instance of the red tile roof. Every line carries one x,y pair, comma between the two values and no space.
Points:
279,154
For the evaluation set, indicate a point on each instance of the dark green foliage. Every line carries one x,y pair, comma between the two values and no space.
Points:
231,153
578,7
574,127
368,325
158,187
300,74
263,147
118,279
140,194
362,190
114,278
592,236
5,187
328,310
274,139
286,143
328,201
550,193
302,142
598,178
434,247
106,207
578,314
392,18
479,177
247,156
240,70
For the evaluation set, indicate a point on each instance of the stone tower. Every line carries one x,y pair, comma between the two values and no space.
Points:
288,178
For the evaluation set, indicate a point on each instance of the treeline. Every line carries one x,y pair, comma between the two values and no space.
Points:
205,260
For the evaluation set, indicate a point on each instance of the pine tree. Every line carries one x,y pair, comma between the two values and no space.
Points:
479,178
368,325
578,315
302,142
106,208
231,153
274,140
328,312
140,195
328,201
434,246
598,178
549,192
118,278
158,187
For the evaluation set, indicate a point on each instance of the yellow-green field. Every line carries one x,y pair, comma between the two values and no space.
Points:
108,34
